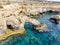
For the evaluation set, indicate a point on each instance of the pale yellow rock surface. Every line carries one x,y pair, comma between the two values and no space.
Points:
11,32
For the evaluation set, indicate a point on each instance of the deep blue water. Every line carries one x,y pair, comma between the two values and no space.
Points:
33,37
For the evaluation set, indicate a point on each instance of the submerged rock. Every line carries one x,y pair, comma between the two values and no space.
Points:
55,19
41,28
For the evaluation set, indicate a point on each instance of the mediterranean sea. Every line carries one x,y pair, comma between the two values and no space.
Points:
34,37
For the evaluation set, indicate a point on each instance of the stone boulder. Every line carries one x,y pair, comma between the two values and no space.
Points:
55,19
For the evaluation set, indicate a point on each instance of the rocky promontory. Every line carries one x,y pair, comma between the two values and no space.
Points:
14,16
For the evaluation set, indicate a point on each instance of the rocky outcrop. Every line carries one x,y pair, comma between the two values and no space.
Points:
55,19
12,23
41,28
14,16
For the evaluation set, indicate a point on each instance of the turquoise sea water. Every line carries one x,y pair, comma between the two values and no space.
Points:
33,37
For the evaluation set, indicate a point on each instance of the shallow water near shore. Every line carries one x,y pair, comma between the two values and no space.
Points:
33,37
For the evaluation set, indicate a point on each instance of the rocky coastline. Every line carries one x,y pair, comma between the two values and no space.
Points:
15,15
